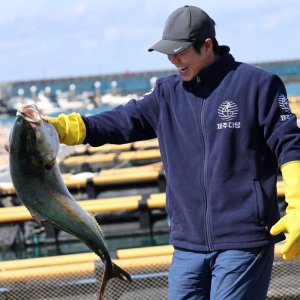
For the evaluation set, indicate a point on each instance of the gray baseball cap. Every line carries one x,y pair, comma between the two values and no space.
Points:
185,26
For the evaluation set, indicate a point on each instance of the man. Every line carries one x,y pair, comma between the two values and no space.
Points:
223,127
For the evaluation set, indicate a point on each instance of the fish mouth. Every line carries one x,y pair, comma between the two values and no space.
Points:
31,114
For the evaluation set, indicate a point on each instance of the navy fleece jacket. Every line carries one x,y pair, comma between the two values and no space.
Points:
222,137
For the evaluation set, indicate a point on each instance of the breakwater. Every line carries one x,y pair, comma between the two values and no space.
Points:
137,82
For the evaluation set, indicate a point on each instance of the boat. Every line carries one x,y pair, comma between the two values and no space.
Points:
43,100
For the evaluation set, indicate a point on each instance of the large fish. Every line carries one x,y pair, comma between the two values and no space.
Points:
33,147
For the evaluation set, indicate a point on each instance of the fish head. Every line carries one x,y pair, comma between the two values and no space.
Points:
31,114
34,138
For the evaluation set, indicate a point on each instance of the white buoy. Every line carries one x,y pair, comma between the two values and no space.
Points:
114,85
33,90
72,89
97,98
48,91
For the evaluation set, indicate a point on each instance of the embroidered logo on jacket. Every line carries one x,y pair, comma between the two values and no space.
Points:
285,108
228,112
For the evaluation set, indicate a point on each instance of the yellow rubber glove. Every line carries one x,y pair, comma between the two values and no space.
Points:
70,128
291,221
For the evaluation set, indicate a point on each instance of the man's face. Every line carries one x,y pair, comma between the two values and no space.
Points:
189,62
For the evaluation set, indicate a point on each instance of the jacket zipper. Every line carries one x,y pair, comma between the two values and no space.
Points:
205,170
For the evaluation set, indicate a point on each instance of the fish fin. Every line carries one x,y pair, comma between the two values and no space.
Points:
36,216
96,223
114,272
7,148
121,274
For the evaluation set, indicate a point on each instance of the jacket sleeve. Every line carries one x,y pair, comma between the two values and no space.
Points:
137,120
278,123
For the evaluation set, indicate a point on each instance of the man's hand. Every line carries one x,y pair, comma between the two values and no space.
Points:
70,128
291,221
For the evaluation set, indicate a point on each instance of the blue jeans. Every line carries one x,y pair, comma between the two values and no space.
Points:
232,274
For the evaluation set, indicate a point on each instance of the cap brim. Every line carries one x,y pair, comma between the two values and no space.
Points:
170,47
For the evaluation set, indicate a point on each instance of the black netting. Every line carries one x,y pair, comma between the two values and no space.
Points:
148,283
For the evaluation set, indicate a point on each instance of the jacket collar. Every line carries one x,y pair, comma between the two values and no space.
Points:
215,72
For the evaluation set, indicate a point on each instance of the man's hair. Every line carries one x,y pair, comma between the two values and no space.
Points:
197,45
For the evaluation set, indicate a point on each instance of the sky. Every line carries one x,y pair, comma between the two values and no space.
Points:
48,39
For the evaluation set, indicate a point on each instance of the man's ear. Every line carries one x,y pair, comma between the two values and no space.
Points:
208,45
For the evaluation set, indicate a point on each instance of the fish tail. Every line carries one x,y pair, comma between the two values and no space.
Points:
113,271
121,274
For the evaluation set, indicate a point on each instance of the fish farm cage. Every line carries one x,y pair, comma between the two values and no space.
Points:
127,196
149,274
